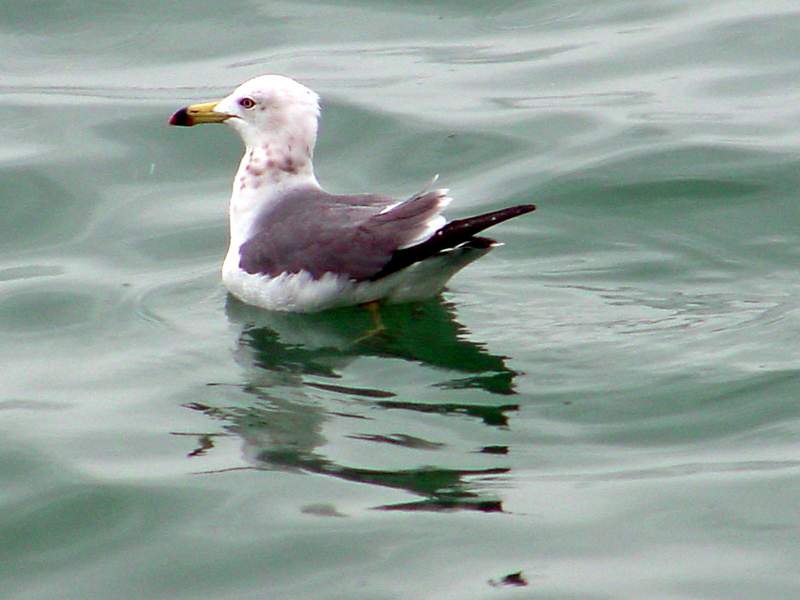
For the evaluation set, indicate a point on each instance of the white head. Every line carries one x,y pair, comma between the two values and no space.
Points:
276,118
272,108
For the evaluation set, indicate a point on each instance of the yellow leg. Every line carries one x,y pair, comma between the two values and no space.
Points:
374,309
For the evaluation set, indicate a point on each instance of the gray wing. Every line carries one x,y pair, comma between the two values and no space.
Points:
353,236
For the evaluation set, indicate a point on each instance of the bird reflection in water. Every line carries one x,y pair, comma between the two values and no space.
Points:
286,355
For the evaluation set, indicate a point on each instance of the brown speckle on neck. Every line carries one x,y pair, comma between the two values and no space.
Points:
255,169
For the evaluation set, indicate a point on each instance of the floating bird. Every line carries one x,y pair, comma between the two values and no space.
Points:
294,246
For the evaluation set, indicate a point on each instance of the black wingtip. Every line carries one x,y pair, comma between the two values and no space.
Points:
481,222
452,235
514,211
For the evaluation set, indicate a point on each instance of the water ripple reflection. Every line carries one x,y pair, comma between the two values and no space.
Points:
286,424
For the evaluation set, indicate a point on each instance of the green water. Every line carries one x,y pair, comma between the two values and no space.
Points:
607,404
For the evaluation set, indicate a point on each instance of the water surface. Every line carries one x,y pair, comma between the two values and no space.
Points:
605,407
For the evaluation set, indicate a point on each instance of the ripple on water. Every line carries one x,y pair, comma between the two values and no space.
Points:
30,272
70,523
39,211
180,299
38,309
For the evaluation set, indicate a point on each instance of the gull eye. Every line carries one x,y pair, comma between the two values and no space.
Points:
247,102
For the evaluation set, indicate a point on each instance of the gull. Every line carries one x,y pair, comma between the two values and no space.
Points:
295,247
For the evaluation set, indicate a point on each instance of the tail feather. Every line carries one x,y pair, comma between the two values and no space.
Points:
452,235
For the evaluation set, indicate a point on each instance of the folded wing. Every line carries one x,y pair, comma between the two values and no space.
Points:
363,237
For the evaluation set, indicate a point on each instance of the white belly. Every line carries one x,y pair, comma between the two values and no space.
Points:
300,292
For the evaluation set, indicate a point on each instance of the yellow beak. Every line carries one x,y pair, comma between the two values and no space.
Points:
197,114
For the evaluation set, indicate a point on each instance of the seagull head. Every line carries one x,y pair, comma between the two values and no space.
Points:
271,110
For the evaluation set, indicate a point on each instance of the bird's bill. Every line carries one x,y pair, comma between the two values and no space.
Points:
197,114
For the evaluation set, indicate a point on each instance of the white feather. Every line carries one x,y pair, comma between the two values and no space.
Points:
435,223
300,292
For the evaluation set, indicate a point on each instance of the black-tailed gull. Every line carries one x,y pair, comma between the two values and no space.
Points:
295,247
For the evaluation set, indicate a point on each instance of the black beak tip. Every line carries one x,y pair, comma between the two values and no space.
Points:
181,118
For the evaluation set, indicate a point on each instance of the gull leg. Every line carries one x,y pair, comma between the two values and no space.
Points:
374,309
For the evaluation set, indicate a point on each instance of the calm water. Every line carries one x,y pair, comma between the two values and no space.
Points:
606,406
